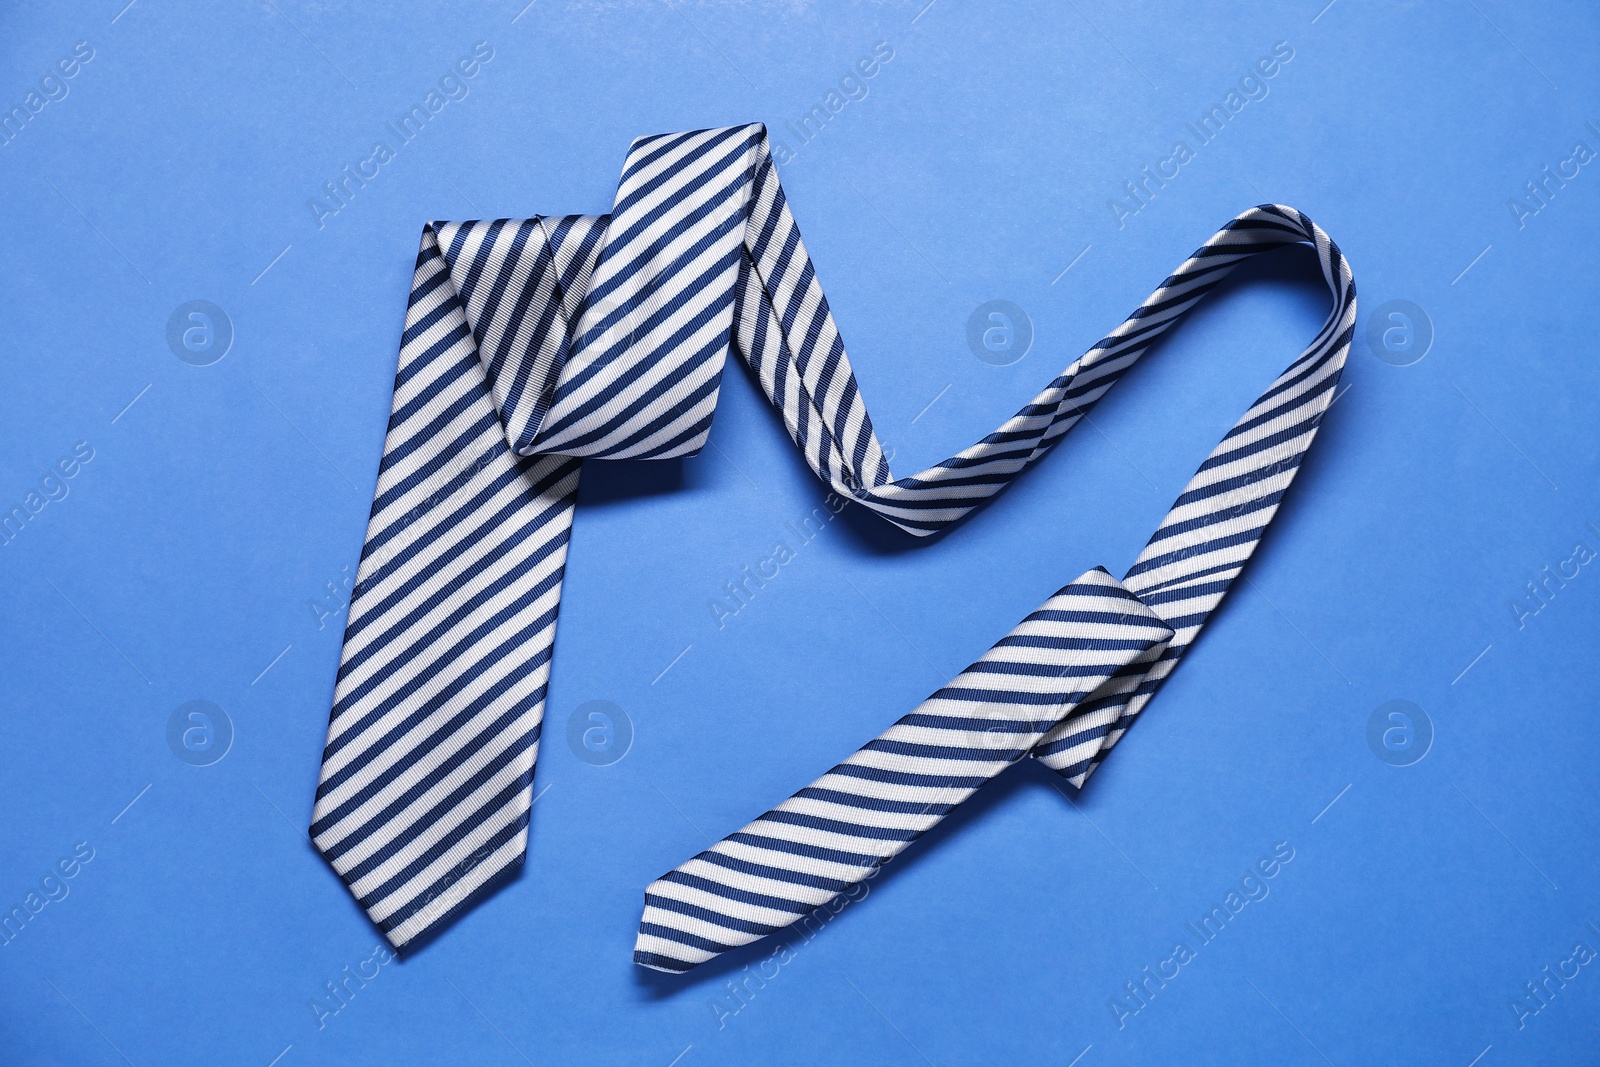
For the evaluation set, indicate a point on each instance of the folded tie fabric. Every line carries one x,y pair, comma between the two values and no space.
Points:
530,345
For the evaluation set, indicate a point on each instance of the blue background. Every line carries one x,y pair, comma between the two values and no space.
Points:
186,561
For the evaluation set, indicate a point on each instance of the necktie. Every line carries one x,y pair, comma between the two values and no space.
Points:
532,344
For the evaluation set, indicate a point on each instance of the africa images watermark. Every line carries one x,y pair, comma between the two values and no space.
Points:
1540,592
1138,994
51,88
742,990
1251,86
451,86
339,992
738,594
52,888
1537,193
852,88
53,486
1538,994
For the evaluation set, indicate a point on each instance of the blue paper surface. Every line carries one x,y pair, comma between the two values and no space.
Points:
1434,893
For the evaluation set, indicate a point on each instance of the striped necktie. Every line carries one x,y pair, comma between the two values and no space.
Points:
531,344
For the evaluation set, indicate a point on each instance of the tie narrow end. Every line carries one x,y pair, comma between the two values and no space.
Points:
664,964
790,864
